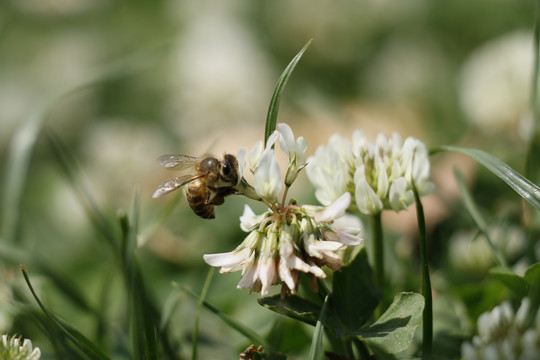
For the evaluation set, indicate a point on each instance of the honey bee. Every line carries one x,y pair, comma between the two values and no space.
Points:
210,181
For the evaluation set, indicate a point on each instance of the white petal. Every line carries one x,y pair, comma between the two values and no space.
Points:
249,277
328,245
272,139
267,274
343,237
248,221
227,259
267,177
367,201
241,157
317,271
286,140
285,274
400,196
255,155
382,180
334,210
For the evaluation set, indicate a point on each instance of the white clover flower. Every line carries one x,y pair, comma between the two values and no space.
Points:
502,335
11,348
296,150
300,239
331,170
380,174
289,239
267,177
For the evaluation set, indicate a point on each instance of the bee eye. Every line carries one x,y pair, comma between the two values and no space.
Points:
226,170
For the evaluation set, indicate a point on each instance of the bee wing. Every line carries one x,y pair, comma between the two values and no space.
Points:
177,161
173,184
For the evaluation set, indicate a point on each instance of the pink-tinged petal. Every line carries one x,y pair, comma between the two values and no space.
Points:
285,274
335,209
342,237
249,277
228,259
317,271
294,262
267,275
333,261
327,245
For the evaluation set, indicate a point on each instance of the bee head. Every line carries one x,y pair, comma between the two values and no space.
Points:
229,169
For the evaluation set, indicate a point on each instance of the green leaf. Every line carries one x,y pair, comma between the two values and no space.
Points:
273,108
316,343
292,306
70,169
512,281
532,274
355,296
380,352
394,330
249,334
524,187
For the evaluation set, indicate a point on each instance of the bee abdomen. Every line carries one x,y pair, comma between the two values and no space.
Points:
197,196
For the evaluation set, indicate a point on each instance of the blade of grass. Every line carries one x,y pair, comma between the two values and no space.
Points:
242,329
273,108
145,316
477,217
204,291
523,186
143,326
159,219
70,169
78,339
12,255
532,160
315,351
427,315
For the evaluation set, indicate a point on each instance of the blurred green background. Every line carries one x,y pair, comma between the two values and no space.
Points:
121,82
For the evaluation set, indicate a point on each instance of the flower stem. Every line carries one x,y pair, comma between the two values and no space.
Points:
378,248
427,330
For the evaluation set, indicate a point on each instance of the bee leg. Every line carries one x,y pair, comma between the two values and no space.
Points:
218,200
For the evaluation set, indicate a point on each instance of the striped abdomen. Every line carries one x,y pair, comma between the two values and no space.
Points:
197,197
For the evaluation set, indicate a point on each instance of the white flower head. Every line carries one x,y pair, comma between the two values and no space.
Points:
502,334
15,348
380,174
331,170
289,239
299,239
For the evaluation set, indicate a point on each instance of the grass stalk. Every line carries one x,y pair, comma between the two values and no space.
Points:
477,218
378,248
427,318
202,297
